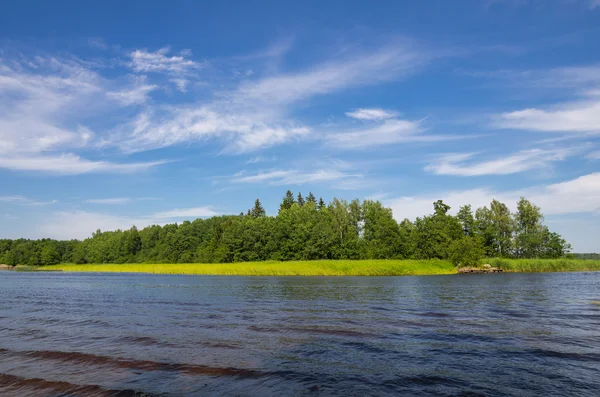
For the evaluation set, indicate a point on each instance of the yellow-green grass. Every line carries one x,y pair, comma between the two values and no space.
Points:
544,265
292,268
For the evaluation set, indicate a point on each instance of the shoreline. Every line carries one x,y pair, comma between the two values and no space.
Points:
325,268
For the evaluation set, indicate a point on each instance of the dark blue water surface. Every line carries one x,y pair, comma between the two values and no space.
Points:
136,334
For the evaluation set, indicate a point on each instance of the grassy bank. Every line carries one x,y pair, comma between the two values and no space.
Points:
294,268
331,267
544,265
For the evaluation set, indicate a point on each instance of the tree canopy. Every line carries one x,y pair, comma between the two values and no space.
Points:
306,229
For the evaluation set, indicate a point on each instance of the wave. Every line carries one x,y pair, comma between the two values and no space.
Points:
30,387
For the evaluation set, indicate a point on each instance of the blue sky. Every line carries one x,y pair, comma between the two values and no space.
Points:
116,114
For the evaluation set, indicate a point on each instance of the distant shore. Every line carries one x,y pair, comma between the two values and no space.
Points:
327,267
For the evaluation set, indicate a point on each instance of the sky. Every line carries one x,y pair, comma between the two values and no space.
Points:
115,114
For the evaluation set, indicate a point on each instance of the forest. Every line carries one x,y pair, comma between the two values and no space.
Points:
309,229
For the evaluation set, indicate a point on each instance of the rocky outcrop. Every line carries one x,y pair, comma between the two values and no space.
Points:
487,268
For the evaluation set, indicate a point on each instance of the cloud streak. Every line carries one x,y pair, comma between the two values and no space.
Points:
459,164
256,114
70,164
579,195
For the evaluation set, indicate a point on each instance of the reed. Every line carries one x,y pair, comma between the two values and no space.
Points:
544,265
292,268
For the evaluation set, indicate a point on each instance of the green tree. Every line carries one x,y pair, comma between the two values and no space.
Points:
257,211
381,234
467,220
529,230
466,251
495,226
300,199
288,201
49,255
434,233
311,198
407,243
321,204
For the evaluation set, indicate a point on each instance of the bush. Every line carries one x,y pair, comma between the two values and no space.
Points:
467,251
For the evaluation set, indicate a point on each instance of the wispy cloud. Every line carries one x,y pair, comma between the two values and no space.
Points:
340,178
576,117
371,114
25,201
385,133
381,128
144,61
116,200
581,114
135,94
68,225
43,104
459,164
70,164
256,114
579,195
197,212
593,155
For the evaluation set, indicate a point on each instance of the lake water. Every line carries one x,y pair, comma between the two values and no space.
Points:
135,335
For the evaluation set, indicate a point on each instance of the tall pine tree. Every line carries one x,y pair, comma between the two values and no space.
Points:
300,199
321,204
288,201
311,198
257,211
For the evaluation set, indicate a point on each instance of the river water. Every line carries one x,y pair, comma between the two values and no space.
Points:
155,335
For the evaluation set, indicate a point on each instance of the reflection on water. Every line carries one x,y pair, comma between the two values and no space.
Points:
135,335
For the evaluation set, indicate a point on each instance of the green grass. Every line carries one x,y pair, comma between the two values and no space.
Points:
544,265
293,268
331,267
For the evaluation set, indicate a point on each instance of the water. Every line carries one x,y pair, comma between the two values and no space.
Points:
135,334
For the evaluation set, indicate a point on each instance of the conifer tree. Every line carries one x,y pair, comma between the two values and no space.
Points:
257,211
288,201
311,198
300,199
321,204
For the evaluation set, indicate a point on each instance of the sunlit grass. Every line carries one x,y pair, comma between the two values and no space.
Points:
331,267
544,265
293,268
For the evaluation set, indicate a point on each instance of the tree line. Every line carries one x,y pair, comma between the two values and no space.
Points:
308,229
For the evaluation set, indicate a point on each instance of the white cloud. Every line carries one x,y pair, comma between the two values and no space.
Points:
298,177
37,100
371,114
180,83
578,117
197,212
43,103
385,133
243,132
255,115
136,94
256,159
388,63
593,155
580,195
66,225
70,164
154,62
116,200
25,201
525,160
